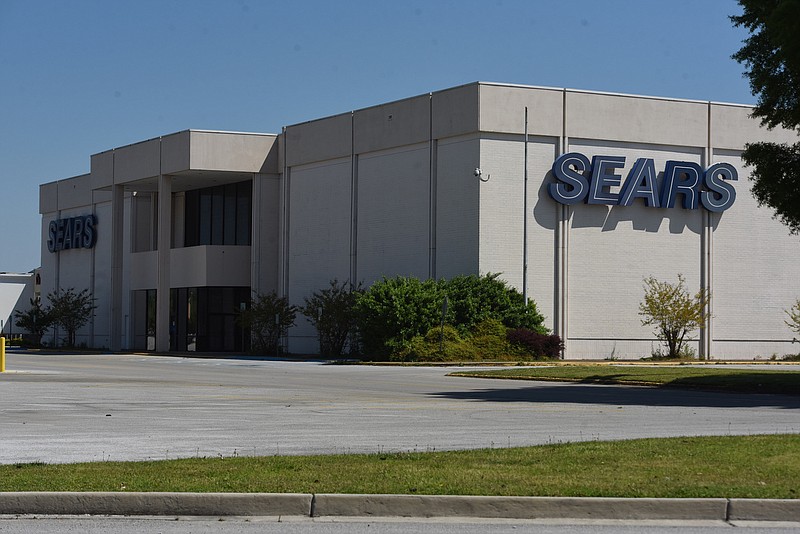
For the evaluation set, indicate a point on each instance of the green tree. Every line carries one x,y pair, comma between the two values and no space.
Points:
71,310
332,312
36,320
269,318
771,56
673,312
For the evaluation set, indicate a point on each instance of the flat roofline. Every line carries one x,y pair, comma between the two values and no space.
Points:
524,86
612,93
188,130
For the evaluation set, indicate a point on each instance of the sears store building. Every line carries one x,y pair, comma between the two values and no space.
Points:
574,196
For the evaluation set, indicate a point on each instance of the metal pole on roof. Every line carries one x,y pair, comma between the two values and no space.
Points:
525,218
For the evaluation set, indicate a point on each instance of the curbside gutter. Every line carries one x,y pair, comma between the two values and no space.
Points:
346,505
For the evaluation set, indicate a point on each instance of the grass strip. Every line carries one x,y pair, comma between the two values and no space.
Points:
719,379
766,466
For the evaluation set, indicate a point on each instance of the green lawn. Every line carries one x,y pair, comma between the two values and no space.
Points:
730,466
716,378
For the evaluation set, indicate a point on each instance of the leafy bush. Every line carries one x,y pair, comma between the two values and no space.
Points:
490,340
395,310
473,299
673,313
268,317
332,312
438,344
536,344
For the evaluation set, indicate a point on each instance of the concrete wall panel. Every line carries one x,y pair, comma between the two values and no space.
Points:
754,276
395,124
732,128
102,169
233,152
319,140
647,120
502,110
48,199
134,162
101,289
319,237
265,251
455,111
612,250
75,192
457,207
393,214
175,152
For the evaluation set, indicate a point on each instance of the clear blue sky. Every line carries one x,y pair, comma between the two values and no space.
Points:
83,76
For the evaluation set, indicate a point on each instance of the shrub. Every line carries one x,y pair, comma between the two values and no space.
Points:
490,340
332,312
268,317
438,344
473,299
536,344
673,312
394,310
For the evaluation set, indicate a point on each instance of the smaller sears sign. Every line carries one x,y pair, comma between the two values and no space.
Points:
72,232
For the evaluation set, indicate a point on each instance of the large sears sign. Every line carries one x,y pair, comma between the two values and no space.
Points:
73,232
578,180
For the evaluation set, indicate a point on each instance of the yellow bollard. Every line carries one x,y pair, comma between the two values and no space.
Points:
2,355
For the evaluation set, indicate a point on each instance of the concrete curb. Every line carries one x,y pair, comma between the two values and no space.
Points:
518,507
155,503
339,505
764,510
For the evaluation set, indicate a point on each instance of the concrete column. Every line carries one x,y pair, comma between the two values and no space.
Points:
164,246
117,239
255,235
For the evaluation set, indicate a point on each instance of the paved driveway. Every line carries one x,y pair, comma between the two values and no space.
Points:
69,408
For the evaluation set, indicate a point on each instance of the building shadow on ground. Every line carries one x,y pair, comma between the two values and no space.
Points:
569,393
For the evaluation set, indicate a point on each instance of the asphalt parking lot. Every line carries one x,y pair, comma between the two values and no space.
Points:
59,408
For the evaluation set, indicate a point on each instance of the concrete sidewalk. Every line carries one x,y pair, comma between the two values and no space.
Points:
423,506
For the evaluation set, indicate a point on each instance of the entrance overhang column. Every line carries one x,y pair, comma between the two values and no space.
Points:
163,257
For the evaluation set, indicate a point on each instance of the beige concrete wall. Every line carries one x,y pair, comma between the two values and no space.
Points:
457,207
265,248
393,213
732,128
502,110
639,119
204,265
401,123
133,162
455,111
233,152
755,276
319,237
613,248
319,140
102,169
176,152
